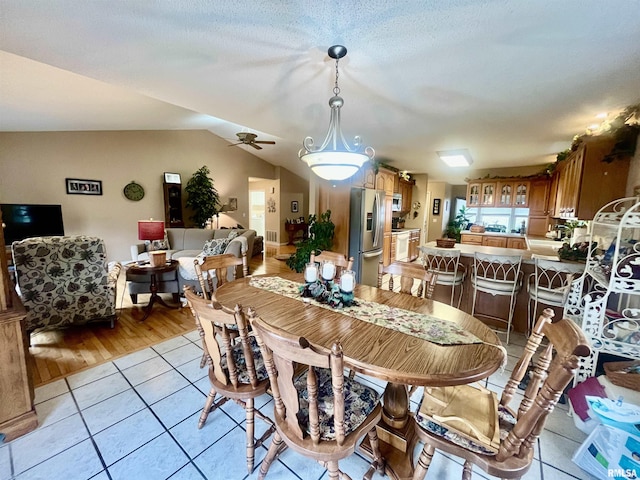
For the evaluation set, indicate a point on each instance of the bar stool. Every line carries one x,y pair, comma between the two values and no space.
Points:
497,275
446,263
550,285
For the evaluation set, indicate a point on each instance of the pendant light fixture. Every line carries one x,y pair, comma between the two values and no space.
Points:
335,159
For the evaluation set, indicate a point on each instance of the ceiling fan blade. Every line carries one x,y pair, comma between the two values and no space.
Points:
234,144
269,142
257,147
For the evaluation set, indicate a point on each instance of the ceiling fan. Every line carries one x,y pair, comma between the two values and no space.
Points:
247,138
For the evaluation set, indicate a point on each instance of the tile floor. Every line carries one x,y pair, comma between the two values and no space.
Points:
136,418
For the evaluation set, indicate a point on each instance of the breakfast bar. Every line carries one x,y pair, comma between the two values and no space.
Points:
496,306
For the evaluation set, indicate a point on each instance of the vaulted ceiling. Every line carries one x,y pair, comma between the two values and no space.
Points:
511,81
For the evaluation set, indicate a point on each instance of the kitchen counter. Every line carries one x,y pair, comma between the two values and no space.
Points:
498,306
496,234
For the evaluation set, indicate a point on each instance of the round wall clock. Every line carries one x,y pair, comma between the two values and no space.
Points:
133,191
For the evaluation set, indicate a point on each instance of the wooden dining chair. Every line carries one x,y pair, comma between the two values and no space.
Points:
319,413
212,272
468,421
339,260
237,371
409,273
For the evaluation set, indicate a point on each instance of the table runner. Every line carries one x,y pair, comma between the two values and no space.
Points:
426,327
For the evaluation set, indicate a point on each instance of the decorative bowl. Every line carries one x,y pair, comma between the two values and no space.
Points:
445,242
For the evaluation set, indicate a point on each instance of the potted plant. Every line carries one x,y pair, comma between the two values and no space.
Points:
320,238
455,226
202,197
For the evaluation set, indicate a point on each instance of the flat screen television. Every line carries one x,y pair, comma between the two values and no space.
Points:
25,221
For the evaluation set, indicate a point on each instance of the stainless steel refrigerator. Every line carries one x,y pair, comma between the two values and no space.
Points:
366,233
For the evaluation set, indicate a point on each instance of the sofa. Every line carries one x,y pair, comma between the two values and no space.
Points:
184,245
64,281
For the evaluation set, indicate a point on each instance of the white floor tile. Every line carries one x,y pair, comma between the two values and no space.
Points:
91,375
551,473
557,450
56,408
5,463
100,390
50,390
188,472
171,344
122,438
195,441
146,370
178,406
79,462
194,336
101,476
183,354
158,459
161,386
135,358
227,457
192,371
110,411
44,443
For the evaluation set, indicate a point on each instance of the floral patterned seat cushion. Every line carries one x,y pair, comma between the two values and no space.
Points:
506,422
241,364
359,402
65,280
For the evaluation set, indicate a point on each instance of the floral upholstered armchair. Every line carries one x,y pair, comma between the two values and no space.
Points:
65,281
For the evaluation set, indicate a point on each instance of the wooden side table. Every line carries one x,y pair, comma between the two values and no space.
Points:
153,272
293,228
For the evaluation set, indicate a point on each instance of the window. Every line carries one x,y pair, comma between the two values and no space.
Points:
507,220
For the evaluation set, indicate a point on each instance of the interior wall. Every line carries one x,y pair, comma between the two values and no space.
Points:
437,222
34,165
292,188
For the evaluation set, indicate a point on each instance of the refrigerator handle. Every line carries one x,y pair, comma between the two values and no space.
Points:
374,253
376,228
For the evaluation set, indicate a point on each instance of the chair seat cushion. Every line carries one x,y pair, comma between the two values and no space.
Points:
505,419
448,278
497,288
548,296
359,402
241,364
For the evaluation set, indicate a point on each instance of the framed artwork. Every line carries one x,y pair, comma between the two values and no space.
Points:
233,203
436,206
76,186
294,206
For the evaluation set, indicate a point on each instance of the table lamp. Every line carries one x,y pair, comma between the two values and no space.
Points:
149,230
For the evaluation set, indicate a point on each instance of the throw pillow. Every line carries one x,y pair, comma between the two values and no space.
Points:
158,245
232,234
215,246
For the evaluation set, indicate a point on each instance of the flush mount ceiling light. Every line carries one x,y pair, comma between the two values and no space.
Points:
456,158
335,159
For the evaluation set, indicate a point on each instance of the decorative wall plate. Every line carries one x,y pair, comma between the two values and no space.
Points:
133,191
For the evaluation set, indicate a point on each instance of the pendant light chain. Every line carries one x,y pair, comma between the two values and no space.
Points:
336,89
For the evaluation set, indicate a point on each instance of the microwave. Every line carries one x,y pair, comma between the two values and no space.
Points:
396,205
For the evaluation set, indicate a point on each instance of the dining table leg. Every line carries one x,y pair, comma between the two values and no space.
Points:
396,433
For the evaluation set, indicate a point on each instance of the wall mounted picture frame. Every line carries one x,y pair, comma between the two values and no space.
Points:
294,207
436,206
77,186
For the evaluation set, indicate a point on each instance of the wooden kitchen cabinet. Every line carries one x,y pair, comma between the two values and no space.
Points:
481,194
586,183
521,193
491,241
539,194
518,243
471,239
504,197
385,180
386,248
405,188
365,177
414,243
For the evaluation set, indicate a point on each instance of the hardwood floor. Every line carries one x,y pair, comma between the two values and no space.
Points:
59,353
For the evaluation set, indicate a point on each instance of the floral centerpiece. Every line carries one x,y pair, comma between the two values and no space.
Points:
328,292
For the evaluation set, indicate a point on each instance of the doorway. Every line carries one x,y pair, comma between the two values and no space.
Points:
257,211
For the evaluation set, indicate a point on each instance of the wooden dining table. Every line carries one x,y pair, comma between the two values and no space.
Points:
398,358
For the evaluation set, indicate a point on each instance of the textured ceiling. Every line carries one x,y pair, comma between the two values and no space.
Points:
511,81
